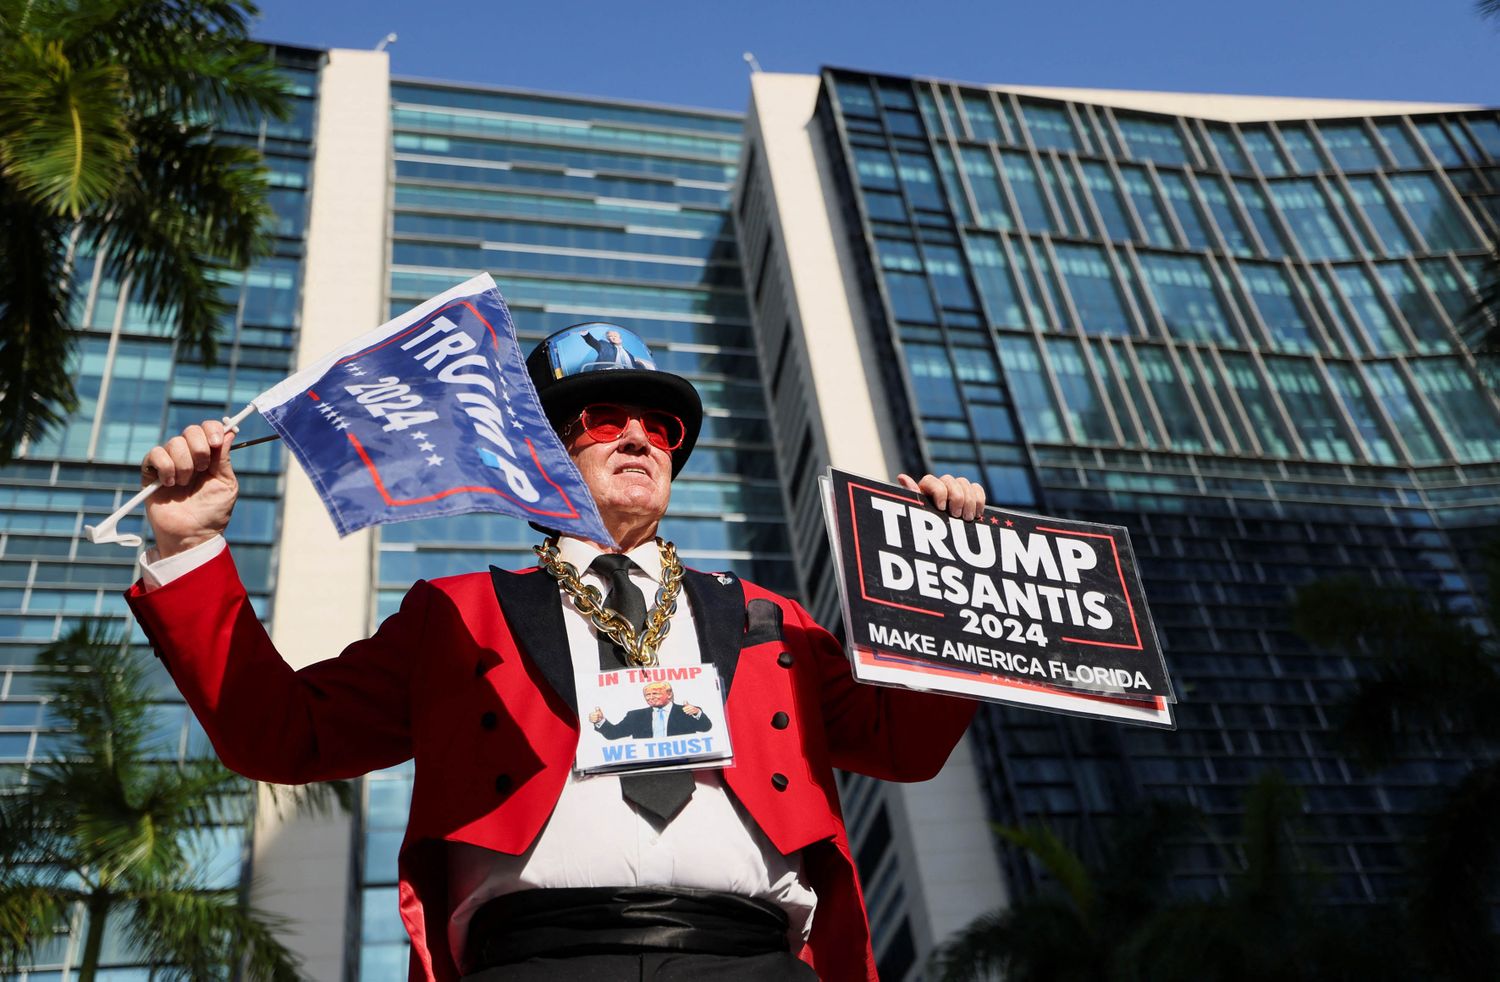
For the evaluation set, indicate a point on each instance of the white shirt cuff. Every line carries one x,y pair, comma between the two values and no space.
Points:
157,572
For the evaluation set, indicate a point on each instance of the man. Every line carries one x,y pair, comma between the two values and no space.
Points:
515,866
661,717
610,352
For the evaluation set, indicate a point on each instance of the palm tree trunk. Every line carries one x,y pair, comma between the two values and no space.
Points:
98,908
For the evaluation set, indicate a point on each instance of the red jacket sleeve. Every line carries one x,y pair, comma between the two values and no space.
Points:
890,733
334,719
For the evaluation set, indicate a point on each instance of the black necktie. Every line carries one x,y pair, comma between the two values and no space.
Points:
660,795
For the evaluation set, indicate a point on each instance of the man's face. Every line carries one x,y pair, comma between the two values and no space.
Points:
658,694
630,479
613,337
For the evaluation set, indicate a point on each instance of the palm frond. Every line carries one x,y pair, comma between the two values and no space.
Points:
195,59
325,799
1138,860
209,935
1060,862
1431,673
1458,856
30,914
36,387
978,953
105,112
1269,882
64,139
1479,325
218,188
191,209
98,688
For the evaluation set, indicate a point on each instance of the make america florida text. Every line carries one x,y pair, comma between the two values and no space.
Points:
1043,596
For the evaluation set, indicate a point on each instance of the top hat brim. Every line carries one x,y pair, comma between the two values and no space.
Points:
564,398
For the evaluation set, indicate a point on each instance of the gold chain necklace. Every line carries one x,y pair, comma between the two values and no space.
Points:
640,649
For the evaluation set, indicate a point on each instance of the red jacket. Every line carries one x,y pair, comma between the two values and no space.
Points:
479,691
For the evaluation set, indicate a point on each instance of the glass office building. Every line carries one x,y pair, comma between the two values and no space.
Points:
581,209
1226,323
133,386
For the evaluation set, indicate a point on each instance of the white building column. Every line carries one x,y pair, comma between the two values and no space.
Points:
942,842
324,588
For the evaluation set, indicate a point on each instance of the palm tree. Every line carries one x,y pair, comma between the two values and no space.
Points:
1274,922
107,110
1434,683
1080,928
106,828
1117,921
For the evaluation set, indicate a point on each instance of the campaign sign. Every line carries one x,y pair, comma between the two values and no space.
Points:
651,719
1012,607
432,413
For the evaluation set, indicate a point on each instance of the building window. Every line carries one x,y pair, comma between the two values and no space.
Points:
1299,144
1138,185
985,183
1280,308
1031,200
1361,408
1153,139
1185,206
1397,141
932,381
998,286
1051,125
1082,400
1185,294
1462,409
1106,195
1030,390
1094,289
1350,145
1434,213
1263,150
1311,408
1396,398
1377,207
1265,418
1311,218
1172,402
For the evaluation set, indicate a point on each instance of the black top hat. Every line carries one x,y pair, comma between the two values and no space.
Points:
600,362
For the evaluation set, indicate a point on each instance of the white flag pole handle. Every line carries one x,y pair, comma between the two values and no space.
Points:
104,533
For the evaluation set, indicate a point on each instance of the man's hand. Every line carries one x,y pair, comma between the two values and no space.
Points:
958,496
597,716
198,487
691,709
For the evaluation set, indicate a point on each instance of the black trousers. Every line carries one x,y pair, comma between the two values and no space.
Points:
664,967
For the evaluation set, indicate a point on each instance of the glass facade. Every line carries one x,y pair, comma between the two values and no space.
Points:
581,210
1237,340
132,388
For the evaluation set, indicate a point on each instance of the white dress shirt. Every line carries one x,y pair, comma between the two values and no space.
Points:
595,838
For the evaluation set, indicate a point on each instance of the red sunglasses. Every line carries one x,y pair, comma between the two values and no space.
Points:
605,421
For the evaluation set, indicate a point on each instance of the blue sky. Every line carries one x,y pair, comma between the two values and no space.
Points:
689,53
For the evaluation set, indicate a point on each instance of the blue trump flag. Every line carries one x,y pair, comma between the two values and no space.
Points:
432,413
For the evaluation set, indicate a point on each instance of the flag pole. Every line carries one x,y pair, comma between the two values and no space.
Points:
104,533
